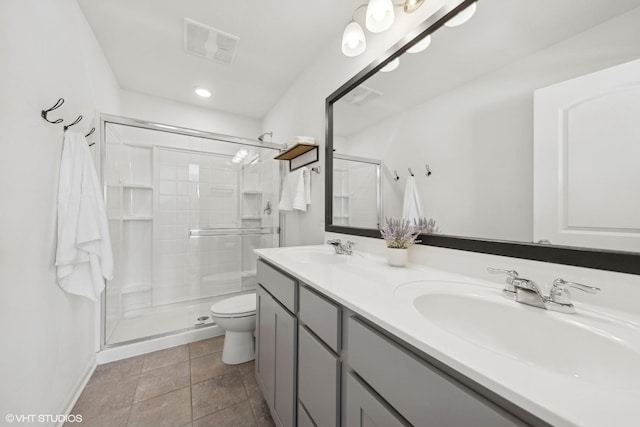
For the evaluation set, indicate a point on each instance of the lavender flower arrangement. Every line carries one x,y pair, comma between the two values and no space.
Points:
399,233
427,226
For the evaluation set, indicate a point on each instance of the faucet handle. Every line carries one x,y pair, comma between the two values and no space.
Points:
560,292
334,242
350,244
510,289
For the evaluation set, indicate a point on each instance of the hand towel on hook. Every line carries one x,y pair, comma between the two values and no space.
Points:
83,255
296,191
411,209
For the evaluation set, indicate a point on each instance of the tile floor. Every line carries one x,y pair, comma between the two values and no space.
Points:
186,385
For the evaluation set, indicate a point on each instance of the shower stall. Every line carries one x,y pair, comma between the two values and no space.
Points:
186,208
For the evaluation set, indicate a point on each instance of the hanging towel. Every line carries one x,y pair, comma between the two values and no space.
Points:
411,209
296,191
83,255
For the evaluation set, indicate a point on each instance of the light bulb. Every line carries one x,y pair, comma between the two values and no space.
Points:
353,41
391,65
421,45
462,16
379,15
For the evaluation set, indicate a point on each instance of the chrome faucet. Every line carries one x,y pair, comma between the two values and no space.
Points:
527,292
346,249
560,298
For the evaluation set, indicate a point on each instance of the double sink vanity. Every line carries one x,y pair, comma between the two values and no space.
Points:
348,340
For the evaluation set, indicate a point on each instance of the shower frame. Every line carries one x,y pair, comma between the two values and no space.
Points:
106,119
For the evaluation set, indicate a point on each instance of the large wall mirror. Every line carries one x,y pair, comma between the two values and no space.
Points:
521,128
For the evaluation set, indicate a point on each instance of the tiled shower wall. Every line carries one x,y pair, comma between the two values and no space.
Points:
196,191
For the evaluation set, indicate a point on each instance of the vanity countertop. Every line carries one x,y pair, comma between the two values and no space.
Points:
367,285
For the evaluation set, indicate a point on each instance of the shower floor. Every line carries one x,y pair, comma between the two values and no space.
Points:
156,321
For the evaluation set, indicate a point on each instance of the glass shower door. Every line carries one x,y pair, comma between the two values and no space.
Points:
185,214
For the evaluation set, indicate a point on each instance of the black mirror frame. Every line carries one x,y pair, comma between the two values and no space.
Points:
623,262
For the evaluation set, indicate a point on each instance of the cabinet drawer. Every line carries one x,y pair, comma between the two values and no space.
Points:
364,409
321,316
282,287
318,380
417,390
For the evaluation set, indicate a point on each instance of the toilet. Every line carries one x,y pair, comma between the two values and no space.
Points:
237,316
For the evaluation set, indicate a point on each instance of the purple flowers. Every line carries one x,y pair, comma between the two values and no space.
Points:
399,233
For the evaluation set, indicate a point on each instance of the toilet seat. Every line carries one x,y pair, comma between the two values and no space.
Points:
238,306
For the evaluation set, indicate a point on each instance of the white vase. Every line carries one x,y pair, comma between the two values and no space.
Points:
397,257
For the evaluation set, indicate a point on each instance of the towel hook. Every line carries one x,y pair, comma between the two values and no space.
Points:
410,173
75,122
316,170
44,113
90,133
428,170
395,176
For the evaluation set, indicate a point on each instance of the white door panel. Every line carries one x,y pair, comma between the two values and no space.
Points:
587,160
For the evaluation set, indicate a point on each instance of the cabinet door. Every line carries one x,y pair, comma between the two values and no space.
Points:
319,379
285,337
276,357
265,344
365,410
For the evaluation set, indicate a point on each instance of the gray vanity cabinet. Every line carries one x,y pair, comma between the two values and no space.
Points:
276,344
321,365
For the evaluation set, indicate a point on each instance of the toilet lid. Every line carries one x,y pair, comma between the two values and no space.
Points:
234,306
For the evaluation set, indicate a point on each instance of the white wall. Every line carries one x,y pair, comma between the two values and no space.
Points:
47,51
478,137
139,106
301,111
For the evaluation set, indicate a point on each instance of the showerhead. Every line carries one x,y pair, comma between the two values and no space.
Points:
261,137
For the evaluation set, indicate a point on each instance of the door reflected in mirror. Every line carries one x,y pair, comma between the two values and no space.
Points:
529,114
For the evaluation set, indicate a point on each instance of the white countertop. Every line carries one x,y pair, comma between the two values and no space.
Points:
368,286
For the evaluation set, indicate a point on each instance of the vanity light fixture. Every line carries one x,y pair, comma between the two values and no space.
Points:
240,156
391,65
421,45
379,17
462,16
203,92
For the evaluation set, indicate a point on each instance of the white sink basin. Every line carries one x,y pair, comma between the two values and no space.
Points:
315,256
585,347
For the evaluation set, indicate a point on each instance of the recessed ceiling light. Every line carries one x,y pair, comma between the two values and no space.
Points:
203,92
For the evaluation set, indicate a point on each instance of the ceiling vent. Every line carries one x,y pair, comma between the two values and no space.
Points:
209,42
361,95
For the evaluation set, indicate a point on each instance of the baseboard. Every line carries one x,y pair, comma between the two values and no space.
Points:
79,388
112,354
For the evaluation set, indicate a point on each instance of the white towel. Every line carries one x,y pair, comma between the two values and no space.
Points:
296,191
411,209
83,256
